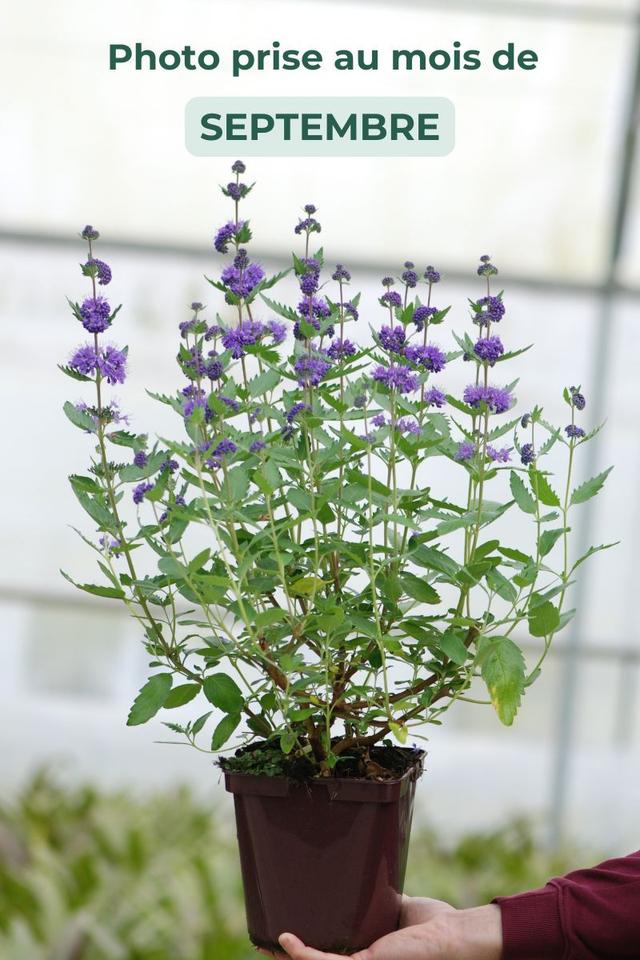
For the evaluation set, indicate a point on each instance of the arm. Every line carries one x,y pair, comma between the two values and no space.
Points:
594,913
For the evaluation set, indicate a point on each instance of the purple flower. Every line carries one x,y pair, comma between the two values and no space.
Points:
421,315
311,370
225,446
95,313
391,299
89,233
278,331
84,360
237,190
231,403
435,397
140,459
141,491
308,225
296,409
466,451
432,275
496,399
309,283
396,377
212,463
575,433
341,274
340,349
238,167
171,465
350,310
242,281
195,363
103,270
196,306
112,364
314,307
486,268
406,425
429,357
577,399
245,334
492,310
410,277
527,454
214,368
256,446
379,420
500,456
369,437
525,421
489,349
387,281
213,332
109,544
392,340
187,327
226,234
196,398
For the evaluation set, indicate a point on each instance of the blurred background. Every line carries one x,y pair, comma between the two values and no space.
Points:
546,178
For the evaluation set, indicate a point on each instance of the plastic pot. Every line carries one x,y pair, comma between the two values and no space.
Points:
325,859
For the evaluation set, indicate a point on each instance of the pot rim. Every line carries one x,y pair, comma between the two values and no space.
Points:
335,788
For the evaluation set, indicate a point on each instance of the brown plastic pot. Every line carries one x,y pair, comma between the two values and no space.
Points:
325,859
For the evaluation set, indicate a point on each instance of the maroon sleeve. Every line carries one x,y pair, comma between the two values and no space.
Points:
587,915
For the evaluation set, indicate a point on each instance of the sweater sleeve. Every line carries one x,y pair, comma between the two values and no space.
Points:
587,915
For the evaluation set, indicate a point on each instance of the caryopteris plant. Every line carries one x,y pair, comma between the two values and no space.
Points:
294,558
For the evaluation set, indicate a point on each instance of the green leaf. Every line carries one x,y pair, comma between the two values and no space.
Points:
200,722
521,495
543,619
549,539
399,731
79,418
453,647
542,489
268,617
150,699
500,585
74,374
113,593
306,586
96,509
224,693
264,382
589,488
287,741
593,550
224,730
238,481
419,589
503,670
178,696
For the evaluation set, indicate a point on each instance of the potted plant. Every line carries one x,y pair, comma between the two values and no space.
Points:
296,564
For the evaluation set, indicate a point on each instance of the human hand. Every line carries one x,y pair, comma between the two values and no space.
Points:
430,930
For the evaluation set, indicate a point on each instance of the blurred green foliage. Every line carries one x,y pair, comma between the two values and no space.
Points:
86,875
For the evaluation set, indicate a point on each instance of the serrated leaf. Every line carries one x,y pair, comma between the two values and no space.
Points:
549,539
112,593
521,495
79,418
264,382
268,617
178,696
223,692
589,488
419,589
70,372
150,699
593,550
542,488
503,670
224,730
